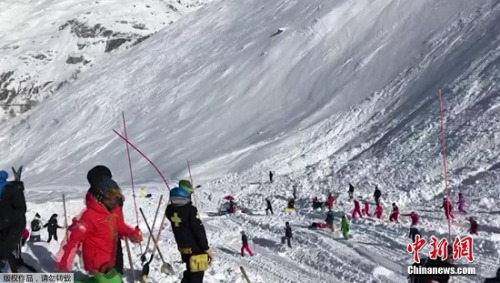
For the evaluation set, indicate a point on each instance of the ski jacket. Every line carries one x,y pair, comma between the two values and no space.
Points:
268,203
474,227
379,210
52,225
377,194
330,200
3,181
448,206
329,217
189,232
97,230
244,239
12,217
345,225
357,205
288,232
415,218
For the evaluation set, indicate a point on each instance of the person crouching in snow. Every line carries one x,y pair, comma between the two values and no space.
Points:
357,209
366,210
98,230
474,227
448,208
461,203
345,227
245,246
379,211
413,227
394,217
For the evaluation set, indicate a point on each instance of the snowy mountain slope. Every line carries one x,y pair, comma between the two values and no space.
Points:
346,92
46,44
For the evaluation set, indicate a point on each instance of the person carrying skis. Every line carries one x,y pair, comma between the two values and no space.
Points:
330,201
366,210
351,191
377,194
448,208
461,203
379,210
329,219
52,227
12,219
189,233
97,230
413,227
36,227
357,209
288,235
474,227
269,207
245,246
394,217
345,227
271,176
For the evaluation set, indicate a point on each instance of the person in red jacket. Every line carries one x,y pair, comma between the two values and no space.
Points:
394,217
330,201
379,211
366,210
414,223
357,209
448,208
98,230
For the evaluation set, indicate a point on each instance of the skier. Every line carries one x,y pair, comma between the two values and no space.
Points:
394,217
377,194
329,219
97,230
271,176
94,176
36,227
232,206
52,227
316,203
189,233
495,279
379,210
366,210
345,227
12,218
461,203
474,227
413,227
294,192
330,201
448,208
245,246
288,235
351,191
316,225
269,207
357,209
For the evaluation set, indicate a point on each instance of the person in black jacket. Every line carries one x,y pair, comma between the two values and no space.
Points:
12,217
52,227
288,235
377,194
269,207
245,246
351,191
495,279
271,176
189,233
95,175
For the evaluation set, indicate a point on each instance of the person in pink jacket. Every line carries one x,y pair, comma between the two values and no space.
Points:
357,209
366,210
379,211
461,203
415,218
394,217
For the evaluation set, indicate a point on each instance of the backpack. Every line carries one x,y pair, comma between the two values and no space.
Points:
35,225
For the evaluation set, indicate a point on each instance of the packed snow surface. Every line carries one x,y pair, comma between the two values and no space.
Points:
321,92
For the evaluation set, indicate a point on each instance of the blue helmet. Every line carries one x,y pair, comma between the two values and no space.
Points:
178,192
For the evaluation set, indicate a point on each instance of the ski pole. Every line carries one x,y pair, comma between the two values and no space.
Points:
143,256
129,254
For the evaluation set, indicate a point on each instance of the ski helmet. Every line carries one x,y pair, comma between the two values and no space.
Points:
178,192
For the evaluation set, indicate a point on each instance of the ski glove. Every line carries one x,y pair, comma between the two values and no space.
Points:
136,237
210,253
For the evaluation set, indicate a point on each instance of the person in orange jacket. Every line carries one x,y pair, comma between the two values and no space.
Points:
98,230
